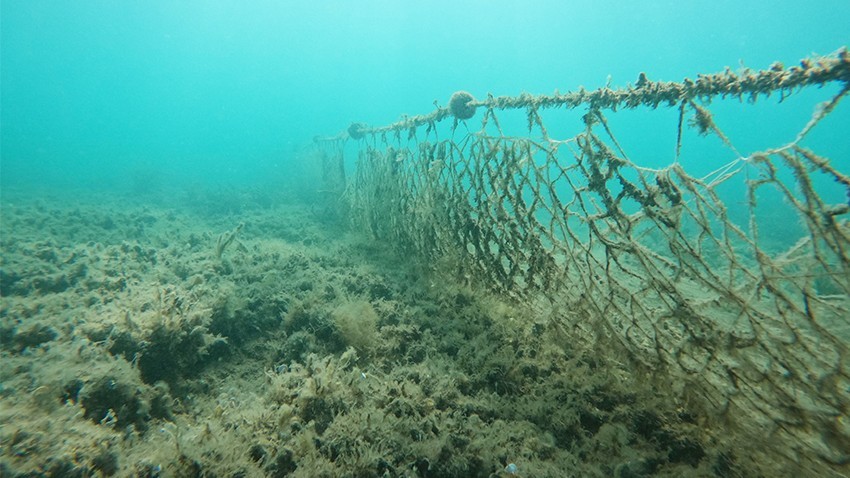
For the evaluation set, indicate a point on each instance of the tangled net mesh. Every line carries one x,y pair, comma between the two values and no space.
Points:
648,262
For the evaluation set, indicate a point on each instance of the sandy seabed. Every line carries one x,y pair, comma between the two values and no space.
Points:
160,338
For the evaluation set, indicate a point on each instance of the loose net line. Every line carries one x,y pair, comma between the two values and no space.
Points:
648,261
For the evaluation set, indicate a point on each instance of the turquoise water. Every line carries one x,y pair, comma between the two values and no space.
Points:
167,310
220,92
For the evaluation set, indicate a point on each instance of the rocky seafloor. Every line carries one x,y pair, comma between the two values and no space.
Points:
239,335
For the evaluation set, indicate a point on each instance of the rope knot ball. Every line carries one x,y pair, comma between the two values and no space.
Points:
459,105
357,130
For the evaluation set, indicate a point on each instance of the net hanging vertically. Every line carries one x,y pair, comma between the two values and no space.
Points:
656,262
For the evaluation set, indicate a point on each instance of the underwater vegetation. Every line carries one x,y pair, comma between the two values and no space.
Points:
131,347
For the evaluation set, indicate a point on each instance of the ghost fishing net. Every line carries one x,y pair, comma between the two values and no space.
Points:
656,263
